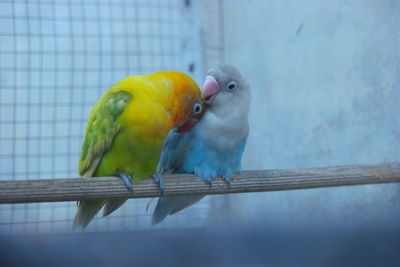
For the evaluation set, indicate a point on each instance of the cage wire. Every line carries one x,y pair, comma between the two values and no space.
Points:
56,60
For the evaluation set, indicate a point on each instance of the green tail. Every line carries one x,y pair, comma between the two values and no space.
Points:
86,211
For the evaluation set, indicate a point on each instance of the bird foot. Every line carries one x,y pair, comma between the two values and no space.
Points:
159,179
208,181
127,180
227,180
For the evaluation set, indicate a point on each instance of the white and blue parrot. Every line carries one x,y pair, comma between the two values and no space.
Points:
214,147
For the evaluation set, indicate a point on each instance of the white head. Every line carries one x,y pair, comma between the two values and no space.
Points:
227,95
225,85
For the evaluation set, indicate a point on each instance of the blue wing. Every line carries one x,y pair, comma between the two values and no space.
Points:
187,153
175,147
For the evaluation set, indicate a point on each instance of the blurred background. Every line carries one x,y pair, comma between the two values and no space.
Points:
324,77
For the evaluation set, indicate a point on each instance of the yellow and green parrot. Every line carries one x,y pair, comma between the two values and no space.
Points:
126,129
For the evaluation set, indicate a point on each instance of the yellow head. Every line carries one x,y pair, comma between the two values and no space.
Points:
184,103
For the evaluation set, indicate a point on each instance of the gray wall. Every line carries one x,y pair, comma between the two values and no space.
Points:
324,77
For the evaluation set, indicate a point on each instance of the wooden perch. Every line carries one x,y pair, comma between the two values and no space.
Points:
183,184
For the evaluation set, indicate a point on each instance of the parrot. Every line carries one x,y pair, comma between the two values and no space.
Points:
214,146
126,128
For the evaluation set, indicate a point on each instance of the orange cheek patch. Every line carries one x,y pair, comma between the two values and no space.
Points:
183,98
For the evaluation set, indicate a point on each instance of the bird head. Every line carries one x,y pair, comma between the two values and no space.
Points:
225,86
186,108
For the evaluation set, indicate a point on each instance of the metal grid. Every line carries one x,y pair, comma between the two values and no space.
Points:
212,18
56,59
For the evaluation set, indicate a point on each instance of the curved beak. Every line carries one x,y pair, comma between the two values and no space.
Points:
186,126
209,88
193,119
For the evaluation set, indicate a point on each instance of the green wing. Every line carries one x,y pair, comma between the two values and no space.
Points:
101,129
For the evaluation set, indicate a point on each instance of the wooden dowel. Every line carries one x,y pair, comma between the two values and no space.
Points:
25,191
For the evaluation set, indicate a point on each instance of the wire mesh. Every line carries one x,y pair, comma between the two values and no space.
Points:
56,59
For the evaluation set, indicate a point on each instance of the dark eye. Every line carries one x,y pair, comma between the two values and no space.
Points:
197,108
231,85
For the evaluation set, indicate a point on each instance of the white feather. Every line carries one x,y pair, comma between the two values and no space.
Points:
225,122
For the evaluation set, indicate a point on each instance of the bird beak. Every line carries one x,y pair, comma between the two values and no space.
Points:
191,122
209,89
186,126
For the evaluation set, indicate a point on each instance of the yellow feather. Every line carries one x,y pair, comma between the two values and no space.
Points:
127,127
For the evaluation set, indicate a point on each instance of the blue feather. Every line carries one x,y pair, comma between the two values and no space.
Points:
201,159
206,162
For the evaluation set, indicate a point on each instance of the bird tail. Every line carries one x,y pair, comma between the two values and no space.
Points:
112,205
86,211
171,205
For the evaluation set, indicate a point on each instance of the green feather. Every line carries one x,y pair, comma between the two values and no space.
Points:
101,130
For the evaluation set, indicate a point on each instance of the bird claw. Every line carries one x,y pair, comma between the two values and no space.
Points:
127,180
208,181
159,179
227,180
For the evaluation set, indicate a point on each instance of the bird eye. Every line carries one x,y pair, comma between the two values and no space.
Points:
197,108
231,85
